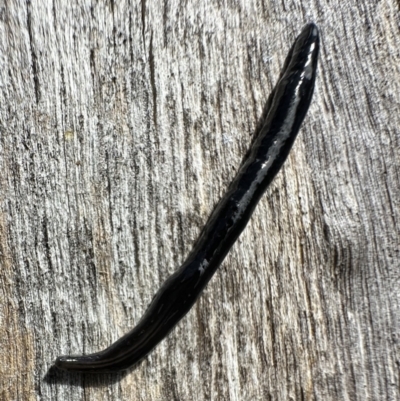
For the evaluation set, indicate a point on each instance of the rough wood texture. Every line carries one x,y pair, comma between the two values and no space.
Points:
121,125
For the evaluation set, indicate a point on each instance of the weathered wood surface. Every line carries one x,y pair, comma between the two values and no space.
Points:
121,125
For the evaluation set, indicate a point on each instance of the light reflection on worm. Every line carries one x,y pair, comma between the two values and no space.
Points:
289,103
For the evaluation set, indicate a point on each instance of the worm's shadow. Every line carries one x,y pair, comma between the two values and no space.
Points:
57,376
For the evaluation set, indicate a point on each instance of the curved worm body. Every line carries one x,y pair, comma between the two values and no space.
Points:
288,106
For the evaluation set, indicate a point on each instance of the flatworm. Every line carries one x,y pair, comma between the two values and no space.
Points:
288,106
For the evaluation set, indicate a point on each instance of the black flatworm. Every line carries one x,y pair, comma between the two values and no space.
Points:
288,106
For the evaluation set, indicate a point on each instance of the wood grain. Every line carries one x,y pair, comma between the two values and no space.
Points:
121,125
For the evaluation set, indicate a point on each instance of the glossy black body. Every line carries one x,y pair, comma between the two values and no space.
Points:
289,104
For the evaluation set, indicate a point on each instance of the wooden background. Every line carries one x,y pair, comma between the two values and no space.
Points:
122,124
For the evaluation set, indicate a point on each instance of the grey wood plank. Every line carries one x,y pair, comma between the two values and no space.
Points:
121,125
